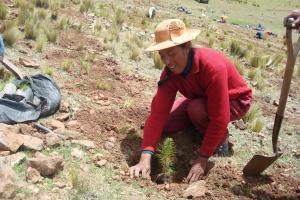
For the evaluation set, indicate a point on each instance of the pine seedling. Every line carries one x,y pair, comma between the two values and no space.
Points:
257,125
252,113
167,156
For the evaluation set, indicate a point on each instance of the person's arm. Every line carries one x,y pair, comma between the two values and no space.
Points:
294,14
160,110
219,116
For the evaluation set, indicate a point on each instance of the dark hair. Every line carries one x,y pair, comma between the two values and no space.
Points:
183,44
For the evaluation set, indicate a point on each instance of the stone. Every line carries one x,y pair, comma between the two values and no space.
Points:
33,143
112,139
67,134
4,153
63,117
109,145
7,182
86,143
60,185
55,124
52,139
240,124
48,165
28,63
64,107
101,163
34,189
76,153
10,140
33,175
14,159
72,123
196,189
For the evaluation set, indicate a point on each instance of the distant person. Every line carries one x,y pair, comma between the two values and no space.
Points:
295,14
214,93
151,12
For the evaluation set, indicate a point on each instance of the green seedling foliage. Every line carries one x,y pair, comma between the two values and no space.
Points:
252,113
3,10
239,66
86,5
11,36
166,156
257,125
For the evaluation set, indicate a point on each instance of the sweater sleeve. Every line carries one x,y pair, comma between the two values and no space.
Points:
218,110
160,109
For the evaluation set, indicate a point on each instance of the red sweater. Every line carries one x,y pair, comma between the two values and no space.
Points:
213,77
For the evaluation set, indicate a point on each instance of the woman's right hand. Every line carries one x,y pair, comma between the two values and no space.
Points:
143,167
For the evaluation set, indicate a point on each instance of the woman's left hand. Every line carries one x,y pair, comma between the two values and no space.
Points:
197,170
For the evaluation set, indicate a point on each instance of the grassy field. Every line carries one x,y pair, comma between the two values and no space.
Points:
270,13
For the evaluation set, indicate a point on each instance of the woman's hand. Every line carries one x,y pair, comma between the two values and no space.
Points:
197,170
143,167
294,14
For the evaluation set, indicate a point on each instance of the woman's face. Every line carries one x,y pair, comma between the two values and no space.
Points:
175,58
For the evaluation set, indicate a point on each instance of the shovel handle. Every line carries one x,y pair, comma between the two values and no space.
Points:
291,59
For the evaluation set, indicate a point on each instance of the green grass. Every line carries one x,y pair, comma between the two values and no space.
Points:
252,113
3,11
11,36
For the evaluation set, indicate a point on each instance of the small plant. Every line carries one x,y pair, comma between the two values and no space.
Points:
48,70
3,11
274,60
118,17
103,85
252,113
42,14
257,125
134,52
25,15
42,3
67,65
63,24
31,30
239,66
252,73
86,66
86,5
79,182
11,36
90,57
236,49
158,63
41,42
211,42
187,22
166,156
51,35
76,2
128,102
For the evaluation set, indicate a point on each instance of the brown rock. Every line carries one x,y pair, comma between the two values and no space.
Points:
109,145
76,153
28,63
7,182
33,143
10,140
33,175
67,134
47,165
4,153
64,107
52,139
196,189
57,124
101,163
63,117
14,159
86,143
73,123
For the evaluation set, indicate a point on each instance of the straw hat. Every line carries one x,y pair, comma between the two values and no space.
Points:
170,33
